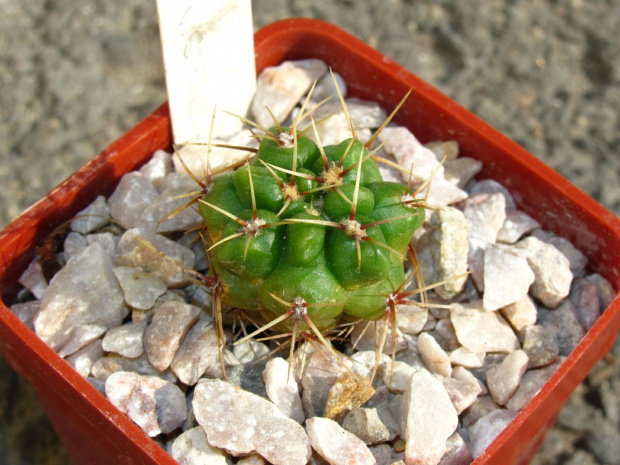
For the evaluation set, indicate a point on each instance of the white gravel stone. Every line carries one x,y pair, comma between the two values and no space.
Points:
364,363
516,225
363,336
156,216
461,170
253,460
503,379
408,151
457,452
434,357
251,351
462,392
113,363
326,87
198,353
133,251
531,383
126,340
107,240
93,217
192,448
410,318
485,214
140,288
280,88
490,186
482,331
85,293
487,428
26,312
83,360
242,423
32,279
430,419
336,445
551,269
371,425
157,168
163,337
444,148
282,389
74,244
507,277
442,192
449,248
521,314
397,376
463,374
155,405
466,358
133,194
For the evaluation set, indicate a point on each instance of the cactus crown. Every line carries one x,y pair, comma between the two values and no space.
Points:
305,234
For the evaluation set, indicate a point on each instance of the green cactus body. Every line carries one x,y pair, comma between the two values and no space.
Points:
308,228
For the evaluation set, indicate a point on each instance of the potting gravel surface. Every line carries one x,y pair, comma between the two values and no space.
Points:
546,74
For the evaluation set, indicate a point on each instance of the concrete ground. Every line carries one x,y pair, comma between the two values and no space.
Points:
77,75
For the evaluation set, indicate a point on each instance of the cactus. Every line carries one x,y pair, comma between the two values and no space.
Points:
308,235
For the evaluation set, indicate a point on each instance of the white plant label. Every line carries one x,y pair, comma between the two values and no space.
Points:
208,51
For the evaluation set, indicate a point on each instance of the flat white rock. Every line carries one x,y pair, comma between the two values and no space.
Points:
133,194
140,288
466,358
192,448
282,389
280,88
503,379
551,269
434,357
486,429
85,293
198,353
96,215
157,215
507,277
126,340
482,331
516,225
485,214
408,151
336,445
410,318
83,359
449,249
157,168
521,314
141,248
243,423
163,337
430,419
155,405
32,279
491,186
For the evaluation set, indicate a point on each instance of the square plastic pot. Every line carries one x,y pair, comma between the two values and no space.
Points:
95,432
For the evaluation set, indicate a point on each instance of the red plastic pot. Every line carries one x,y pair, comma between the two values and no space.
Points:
95,432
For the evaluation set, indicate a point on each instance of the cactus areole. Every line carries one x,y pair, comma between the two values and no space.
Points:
307,235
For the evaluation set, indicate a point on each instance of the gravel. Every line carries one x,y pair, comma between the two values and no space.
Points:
547,74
